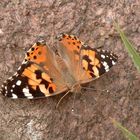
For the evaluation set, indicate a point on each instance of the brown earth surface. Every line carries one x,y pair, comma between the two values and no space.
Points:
23,21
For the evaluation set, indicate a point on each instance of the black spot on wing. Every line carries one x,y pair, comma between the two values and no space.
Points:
91,73
46,83
35,57
85,57
39,52
28,54
38,74
36,93
51,90
32,49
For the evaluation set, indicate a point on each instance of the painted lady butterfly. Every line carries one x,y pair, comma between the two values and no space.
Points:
44,73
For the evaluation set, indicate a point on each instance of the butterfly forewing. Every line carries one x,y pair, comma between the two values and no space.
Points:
69,48
37,77
96,62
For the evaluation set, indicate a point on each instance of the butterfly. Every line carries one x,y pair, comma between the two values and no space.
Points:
45,73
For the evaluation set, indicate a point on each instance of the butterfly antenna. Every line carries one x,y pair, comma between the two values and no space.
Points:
62,99
92,89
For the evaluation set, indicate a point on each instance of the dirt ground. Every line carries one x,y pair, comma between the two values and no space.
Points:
23,21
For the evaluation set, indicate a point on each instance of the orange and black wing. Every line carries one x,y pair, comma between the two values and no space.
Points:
37,77
69,48
96,62
84,63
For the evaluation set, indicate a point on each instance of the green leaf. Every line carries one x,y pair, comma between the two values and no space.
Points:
130,48
127,134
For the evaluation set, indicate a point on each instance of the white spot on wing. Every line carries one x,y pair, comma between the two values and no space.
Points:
6,92
30,97
25,90
24,62
18,83
27,93
10,78
113,63
19,68
11,90
72,36
16,74
13,86
103,56
107,70
106,66
14,96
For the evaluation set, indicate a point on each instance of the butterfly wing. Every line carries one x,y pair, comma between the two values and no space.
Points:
37,77
69,48
96,62
85,63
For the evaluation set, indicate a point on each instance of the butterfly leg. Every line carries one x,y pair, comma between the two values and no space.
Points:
62,98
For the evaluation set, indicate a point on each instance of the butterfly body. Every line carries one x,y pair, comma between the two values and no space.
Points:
44,73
